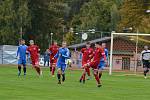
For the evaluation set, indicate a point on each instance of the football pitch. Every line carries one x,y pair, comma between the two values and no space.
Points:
32,87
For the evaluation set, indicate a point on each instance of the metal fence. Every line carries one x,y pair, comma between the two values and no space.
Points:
8,54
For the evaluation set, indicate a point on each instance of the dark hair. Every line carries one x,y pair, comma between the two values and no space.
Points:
88,43
97,43
21,40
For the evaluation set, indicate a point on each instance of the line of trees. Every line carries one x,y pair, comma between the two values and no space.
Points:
38,18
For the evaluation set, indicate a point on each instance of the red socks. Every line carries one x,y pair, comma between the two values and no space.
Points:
97,78
53,70
88,71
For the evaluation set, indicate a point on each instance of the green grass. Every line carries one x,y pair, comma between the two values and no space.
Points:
45,88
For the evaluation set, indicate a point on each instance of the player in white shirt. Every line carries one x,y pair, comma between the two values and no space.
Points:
145,57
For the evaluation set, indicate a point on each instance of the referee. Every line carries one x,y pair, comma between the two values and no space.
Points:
145,57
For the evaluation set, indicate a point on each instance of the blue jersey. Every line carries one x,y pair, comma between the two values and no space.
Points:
21,52
63,54
106,54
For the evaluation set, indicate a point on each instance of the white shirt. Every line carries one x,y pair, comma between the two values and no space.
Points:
145,55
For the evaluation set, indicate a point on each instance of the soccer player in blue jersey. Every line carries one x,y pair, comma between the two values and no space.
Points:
21,55
103,61
62,56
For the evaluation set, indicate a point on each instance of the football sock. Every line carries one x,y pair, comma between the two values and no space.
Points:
88,71
19,70
83,76
50,68
97,78
53,70
63,77
38,70
58,76
145,72
24,70
100,75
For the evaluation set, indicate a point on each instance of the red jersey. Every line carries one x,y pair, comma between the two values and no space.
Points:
34,52
87,55
98,54
53,51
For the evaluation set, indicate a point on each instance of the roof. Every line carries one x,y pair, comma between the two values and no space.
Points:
92,41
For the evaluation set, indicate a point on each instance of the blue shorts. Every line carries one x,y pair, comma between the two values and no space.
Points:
21,62
101,65
61,66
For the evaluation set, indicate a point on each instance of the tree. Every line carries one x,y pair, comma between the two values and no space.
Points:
94,14
12,12
132,14
69,38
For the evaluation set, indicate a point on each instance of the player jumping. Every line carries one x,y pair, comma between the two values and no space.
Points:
21,55
87,55
34,53
62,55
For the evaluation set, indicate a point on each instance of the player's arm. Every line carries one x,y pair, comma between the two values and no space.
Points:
82,50
18,50
103,54
57,55
66,55
106,53
141,56
38,49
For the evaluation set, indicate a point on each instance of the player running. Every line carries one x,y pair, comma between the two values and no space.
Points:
53,50
145,57
21,55
62,56
34,53
99,52
103,60
87,55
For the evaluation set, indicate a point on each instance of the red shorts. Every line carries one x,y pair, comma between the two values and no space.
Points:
84,62
35,62
53,61
94,64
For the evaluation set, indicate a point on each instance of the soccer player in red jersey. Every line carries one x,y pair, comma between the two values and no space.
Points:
34,53
53,51
87,55
98,54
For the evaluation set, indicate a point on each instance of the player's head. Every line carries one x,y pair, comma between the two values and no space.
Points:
22,41
146,47
103,45
54,42
64,44
97,44
31,42
47,50
88,44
